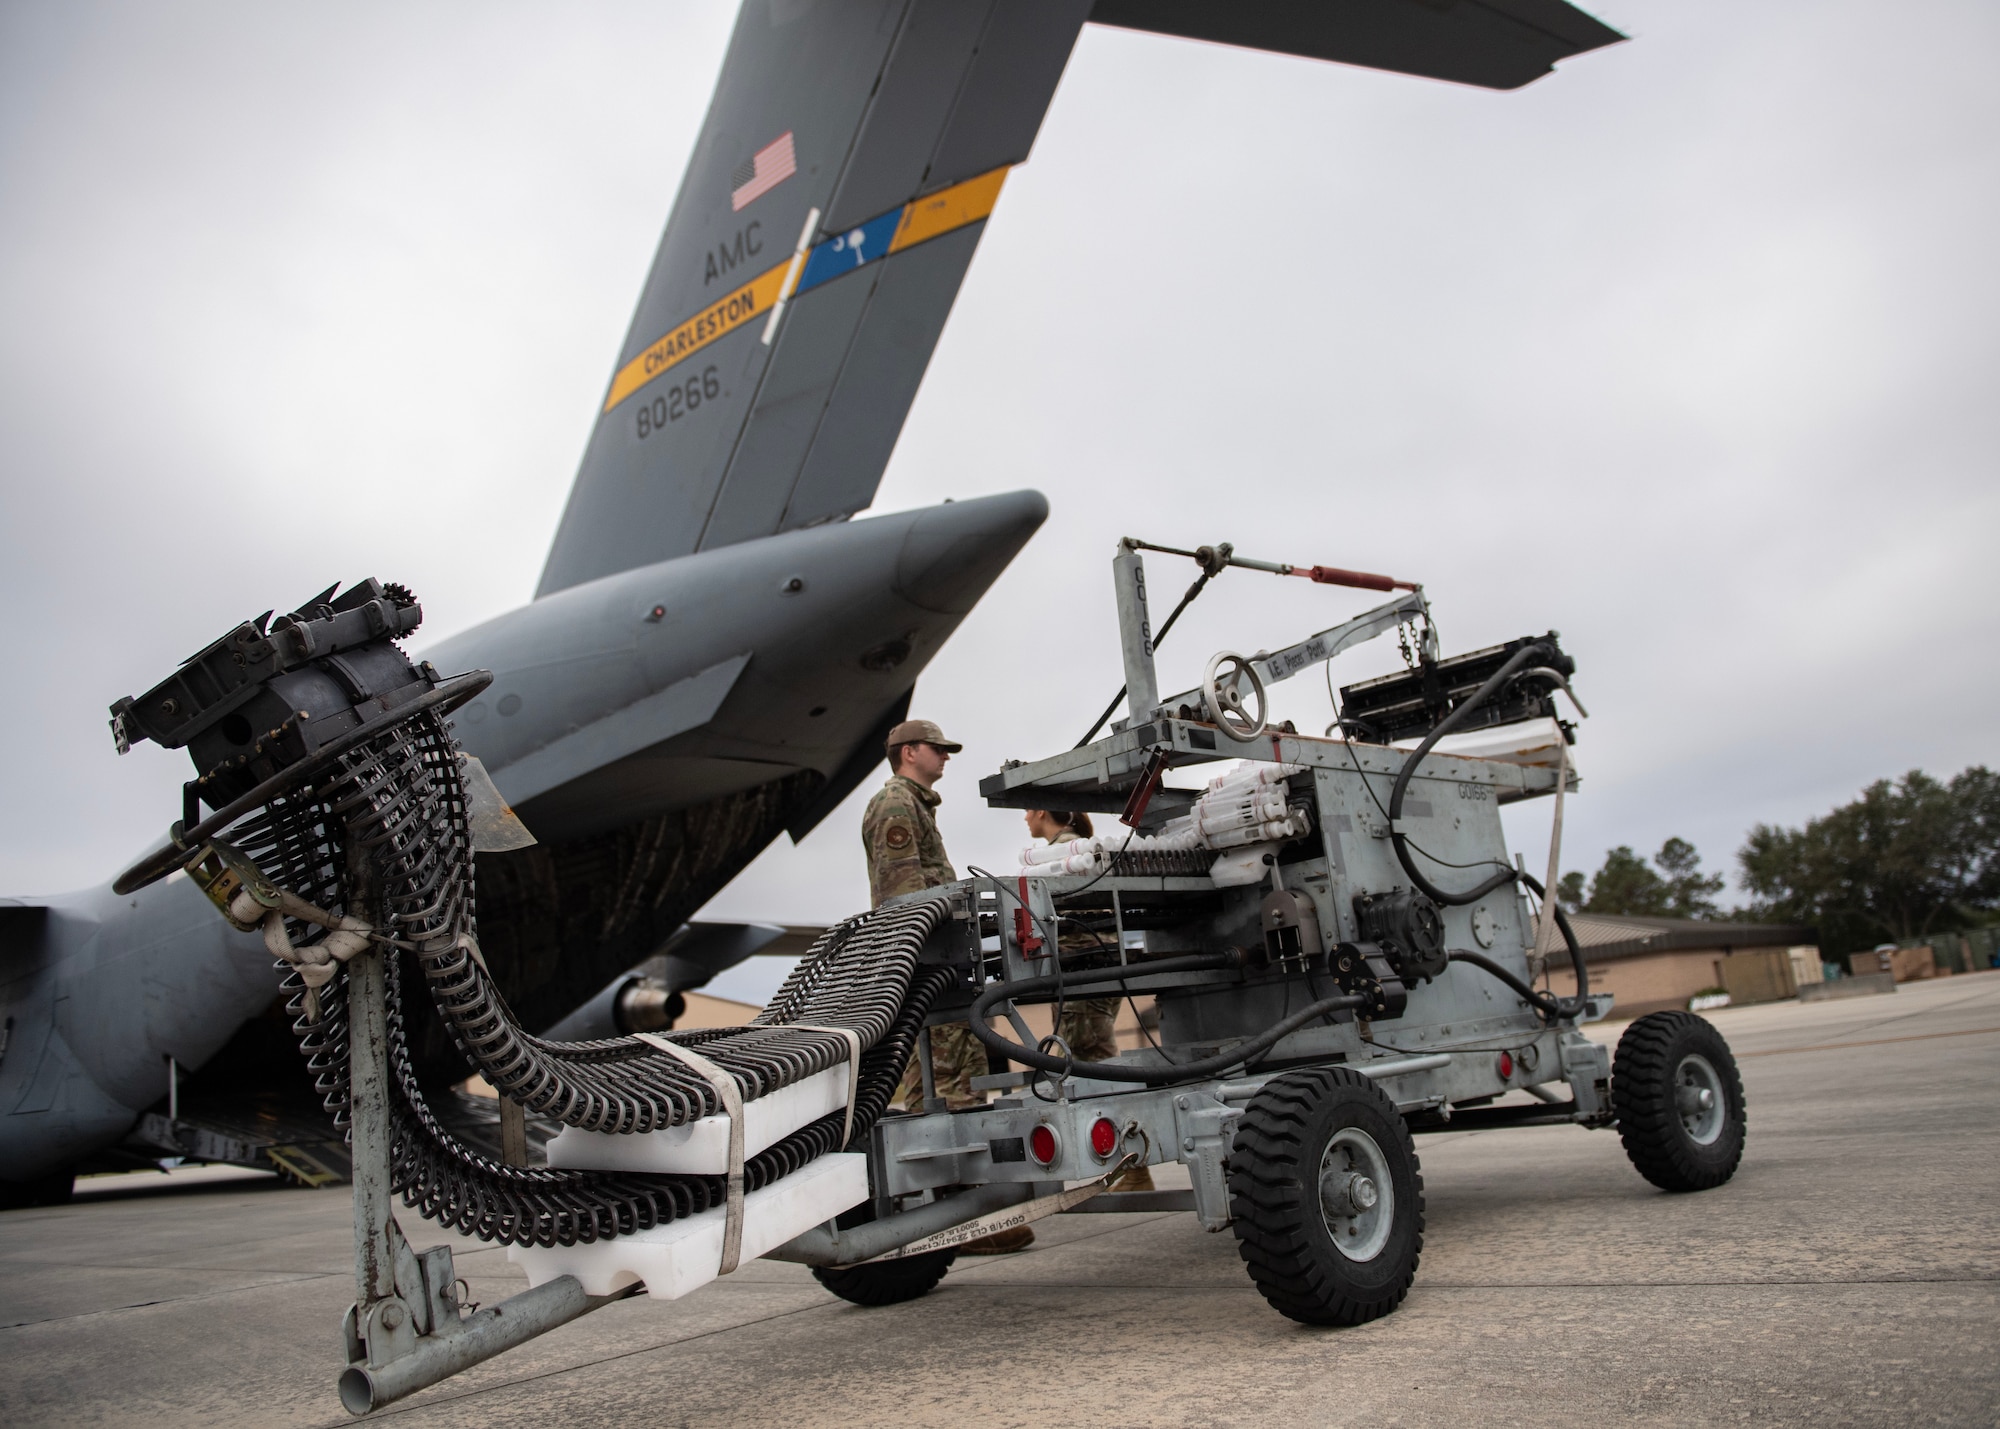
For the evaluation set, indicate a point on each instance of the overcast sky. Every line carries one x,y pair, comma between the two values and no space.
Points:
1687,351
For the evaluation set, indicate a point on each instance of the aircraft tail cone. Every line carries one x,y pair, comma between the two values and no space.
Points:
955,551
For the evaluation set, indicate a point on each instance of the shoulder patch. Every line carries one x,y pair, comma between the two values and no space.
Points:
898,836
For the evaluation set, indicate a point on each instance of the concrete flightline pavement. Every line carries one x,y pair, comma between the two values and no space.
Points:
1556,1288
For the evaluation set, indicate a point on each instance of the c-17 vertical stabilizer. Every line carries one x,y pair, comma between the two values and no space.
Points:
849,161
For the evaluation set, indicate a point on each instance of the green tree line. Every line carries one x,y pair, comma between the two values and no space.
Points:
1909,858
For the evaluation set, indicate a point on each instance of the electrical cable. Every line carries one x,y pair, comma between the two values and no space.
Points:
1160,637
1355,760
1549,1007
1151,1040
1143,1076
1051,941
1561,1007
1445,726
1187,1071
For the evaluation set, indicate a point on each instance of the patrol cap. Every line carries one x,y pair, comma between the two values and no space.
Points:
920,731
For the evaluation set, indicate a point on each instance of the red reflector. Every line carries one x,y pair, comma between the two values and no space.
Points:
1103,1137
1042,1145
1506,1064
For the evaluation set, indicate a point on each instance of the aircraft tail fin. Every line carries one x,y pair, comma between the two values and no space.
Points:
849,161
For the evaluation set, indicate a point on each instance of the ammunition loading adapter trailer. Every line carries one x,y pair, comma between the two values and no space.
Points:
1341,955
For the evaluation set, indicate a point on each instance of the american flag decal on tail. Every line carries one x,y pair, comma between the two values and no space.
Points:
762,172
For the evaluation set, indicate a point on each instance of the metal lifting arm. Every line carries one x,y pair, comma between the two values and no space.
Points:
1140,642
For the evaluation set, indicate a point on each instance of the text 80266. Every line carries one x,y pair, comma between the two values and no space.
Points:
678,401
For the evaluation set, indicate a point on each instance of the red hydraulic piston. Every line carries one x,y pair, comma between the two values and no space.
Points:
1360,580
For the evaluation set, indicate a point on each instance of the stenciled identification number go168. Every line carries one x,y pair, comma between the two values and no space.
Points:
679,400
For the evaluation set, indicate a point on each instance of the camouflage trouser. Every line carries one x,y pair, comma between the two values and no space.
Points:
956,1058
1086,1026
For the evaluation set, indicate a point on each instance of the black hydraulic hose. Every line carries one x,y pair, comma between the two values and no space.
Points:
1118,973
1450,722
1540,1001
1559,1007
982,1008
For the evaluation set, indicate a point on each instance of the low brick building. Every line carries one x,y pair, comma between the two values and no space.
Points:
1655,963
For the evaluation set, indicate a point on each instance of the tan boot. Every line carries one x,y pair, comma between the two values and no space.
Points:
1000,1242
1139,1178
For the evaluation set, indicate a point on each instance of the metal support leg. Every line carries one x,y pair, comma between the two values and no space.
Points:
479,1337
407,1330
368,1033
393,1304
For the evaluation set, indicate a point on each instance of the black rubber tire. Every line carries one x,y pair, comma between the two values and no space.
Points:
1274,1198
888,1282
1644,1080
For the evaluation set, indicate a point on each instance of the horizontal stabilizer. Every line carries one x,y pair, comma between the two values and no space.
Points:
1497,44
701,950
689,959
684,705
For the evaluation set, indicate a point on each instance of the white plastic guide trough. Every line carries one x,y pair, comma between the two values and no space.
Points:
686,1254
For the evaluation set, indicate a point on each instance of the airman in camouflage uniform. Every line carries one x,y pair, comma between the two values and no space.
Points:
906,854
905,851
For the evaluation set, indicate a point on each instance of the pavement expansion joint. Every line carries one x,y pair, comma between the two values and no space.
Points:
1976,995
1872,1042
292,1279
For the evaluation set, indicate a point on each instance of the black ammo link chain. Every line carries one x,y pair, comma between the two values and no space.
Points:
1163,863
398,796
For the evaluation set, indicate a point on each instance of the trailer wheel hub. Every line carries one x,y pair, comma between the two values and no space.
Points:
1698,1099
1356,1196
1351,1195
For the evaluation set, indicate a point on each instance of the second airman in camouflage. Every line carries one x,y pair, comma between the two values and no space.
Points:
1088,1025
